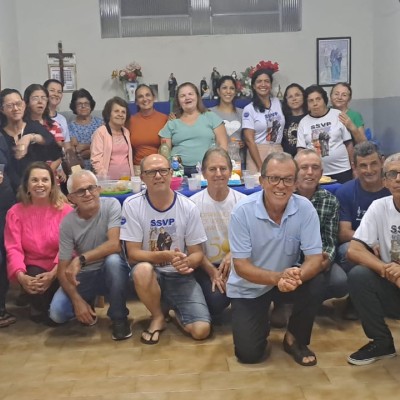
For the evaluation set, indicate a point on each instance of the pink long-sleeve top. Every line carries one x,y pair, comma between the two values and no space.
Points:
31,236
101,150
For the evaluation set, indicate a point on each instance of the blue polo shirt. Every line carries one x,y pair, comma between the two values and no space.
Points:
254,235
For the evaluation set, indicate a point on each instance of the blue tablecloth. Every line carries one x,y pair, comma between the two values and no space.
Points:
186,192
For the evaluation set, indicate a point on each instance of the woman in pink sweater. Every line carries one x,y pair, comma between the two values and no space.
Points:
111,150
32,235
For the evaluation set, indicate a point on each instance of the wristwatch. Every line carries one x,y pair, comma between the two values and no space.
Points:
82,260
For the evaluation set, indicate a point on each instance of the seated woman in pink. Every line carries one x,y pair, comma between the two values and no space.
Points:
111,150
32,235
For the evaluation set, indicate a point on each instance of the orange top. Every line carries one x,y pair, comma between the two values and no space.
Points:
144,134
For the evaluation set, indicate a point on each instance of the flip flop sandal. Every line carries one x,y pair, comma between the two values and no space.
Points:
298,352
150,340
7,319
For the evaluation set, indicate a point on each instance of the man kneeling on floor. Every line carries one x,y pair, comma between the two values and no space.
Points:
374,283
89,259
159,274
267,232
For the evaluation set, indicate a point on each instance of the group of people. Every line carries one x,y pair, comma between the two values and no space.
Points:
292,242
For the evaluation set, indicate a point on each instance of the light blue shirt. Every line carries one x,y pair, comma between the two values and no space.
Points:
254,235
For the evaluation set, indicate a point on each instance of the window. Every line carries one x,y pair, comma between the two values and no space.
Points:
138,18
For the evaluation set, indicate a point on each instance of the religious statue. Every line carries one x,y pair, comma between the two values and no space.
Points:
204,89
172,84
215,75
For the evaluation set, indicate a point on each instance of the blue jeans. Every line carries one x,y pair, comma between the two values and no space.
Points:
336,282
342,259
184,295
112,279
216,301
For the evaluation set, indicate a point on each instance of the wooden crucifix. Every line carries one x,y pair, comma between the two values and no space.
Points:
60,57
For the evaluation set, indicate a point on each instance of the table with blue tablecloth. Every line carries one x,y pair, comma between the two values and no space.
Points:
332,187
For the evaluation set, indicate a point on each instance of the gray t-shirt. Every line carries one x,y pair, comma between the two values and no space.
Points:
78,235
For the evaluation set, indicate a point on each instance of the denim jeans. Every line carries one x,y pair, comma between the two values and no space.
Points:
342,259
112,279
216,301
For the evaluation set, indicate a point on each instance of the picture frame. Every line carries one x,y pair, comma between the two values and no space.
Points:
333,60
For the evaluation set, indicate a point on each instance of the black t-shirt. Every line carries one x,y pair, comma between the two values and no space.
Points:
289,139
50,151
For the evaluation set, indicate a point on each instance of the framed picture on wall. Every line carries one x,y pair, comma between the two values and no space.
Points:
333,60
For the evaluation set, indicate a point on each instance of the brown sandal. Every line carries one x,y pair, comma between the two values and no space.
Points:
298,352
7,319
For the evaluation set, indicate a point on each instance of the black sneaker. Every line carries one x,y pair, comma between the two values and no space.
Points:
121,329
370,353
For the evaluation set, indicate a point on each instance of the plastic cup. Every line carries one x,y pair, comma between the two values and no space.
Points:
193,184
136,184
249,182
198,177
245,172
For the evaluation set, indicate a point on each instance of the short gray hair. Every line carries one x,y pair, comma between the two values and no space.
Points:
365,149
280,157
78,174
392,158
306,152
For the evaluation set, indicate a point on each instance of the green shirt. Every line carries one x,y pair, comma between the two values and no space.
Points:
356,117
192,141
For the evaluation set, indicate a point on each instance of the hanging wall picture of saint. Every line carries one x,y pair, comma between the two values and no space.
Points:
333,60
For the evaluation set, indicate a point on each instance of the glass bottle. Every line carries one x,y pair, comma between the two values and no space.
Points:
164,149
234,153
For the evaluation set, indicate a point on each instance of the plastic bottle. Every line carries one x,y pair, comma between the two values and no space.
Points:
164,149
234,153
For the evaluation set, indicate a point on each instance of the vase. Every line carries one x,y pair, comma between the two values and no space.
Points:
130,88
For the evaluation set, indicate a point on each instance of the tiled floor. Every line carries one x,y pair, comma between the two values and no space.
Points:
76,362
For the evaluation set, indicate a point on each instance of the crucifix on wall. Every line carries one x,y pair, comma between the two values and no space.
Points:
62,66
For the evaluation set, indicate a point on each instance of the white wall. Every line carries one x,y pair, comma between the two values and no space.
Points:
77,24
30,29
9,47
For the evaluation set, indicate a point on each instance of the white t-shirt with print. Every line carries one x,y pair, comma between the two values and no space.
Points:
215,216
381,225
177,227
326,135
268,125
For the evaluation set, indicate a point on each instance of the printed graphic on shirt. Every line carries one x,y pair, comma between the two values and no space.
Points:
216,227
320,138
273,126
395,244
162,236
291,133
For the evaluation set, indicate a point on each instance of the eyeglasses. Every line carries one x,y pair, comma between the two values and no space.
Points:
82,192
36,99
392,175
10,106
83,105
275,180
153,172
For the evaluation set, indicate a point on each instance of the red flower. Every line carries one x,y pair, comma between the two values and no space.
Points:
269,65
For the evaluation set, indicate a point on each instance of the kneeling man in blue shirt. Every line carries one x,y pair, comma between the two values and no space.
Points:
267,233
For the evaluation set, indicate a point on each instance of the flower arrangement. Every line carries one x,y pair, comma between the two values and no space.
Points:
244,83
129,73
